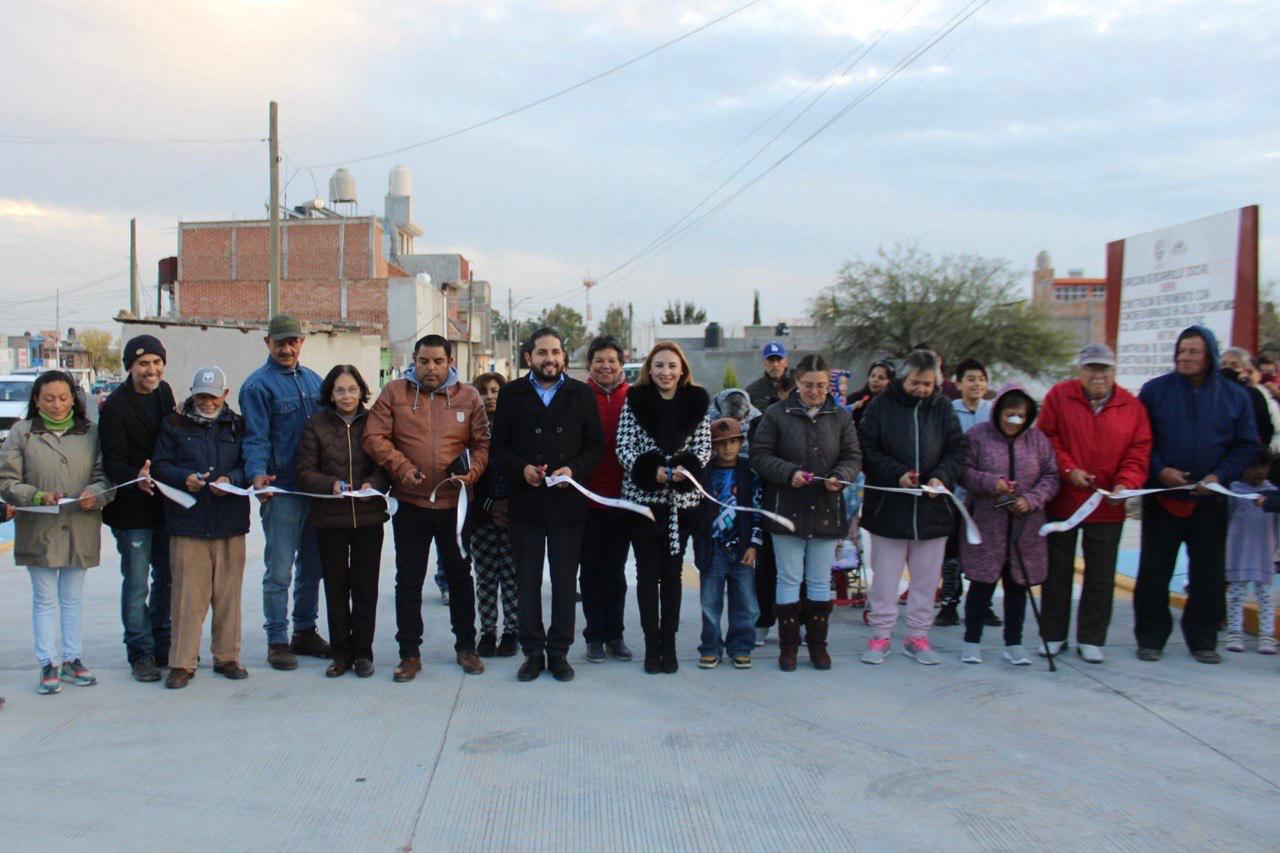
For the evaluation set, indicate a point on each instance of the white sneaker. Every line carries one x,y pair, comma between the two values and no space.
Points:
1266,645
1235,643
1017,656
762,634
972,653
1053,647
1090,654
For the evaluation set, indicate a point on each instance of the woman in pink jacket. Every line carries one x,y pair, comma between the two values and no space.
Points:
1010,474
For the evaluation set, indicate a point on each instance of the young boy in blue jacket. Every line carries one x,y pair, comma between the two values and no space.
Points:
725,545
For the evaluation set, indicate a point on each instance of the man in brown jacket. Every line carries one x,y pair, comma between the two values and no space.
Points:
421,430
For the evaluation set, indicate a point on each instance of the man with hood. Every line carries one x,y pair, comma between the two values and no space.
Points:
276,401
427,428
1202,432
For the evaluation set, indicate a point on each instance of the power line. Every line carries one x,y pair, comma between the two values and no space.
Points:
959,18
13,139
509,113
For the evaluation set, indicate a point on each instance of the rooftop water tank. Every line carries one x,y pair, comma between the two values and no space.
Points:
400,181
342,187
713,337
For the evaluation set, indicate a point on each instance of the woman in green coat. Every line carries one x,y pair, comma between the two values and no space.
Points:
50,456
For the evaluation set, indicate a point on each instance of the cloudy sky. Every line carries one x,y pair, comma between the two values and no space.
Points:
1042,124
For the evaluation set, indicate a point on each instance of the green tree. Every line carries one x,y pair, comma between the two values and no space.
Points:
524,327
730,378
615,324
568,322
683,313
966,305
755,309
1268,318
104,351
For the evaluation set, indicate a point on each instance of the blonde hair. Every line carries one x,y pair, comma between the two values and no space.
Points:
686,375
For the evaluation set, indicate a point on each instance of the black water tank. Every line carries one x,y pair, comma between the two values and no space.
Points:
713,338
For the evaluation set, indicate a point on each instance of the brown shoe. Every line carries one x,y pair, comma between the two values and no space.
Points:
470,662
231,669
788,634
179,678
363,667
280,656
310,643
337,668
408,668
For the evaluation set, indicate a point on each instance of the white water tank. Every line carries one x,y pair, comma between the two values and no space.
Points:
400,181
342,187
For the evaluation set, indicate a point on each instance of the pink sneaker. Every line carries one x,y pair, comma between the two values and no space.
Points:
918,648
877,651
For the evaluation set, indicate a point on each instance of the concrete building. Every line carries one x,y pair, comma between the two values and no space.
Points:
1077,303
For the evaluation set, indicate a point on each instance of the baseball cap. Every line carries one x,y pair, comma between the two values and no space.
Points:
284,326
1097,354
725,429
209,380
773,349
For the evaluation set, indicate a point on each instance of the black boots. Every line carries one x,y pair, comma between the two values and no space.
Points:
817,614
660,653
788,634
670,663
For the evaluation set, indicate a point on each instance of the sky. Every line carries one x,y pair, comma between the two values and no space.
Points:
1045,124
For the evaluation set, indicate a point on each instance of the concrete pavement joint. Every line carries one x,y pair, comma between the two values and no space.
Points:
444,737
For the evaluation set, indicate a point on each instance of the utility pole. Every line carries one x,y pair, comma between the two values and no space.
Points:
134,296
630,317
511,335
273,262
587,284
57,329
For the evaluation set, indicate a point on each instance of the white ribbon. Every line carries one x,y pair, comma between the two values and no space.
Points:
392,503
784,521
169,492
461,514
970,528
616,503
1087,508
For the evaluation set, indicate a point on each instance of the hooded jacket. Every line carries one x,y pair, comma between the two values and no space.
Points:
1205,430
901,433
331,452
190,445
409,426
720,406
1027,460
1113,445
790,440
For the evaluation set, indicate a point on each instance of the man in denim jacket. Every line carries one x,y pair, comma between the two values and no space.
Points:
276,401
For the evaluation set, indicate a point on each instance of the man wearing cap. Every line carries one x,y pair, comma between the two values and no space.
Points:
762,391
127,429
277,400
1102,440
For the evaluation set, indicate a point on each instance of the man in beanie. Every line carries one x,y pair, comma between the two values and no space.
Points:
127,429
276,401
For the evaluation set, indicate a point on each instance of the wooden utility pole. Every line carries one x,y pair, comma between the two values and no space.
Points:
134,296
512,368
57,329
273,262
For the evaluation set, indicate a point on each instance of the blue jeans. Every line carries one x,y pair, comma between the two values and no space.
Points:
144,553
807,560
57,596
743,611
442,581
291,542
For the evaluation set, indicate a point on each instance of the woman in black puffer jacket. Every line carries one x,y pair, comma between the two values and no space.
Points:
802,449
663,427
910,437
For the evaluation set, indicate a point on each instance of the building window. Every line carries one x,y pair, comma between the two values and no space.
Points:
1099,291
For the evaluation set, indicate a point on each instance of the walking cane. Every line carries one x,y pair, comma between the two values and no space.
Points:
1017,550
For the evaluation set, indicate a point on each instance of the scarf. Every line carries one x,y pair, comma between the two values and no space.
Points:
59,426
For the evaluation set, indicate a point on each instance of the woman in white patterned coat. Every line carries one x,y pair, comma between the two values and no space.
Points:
663,428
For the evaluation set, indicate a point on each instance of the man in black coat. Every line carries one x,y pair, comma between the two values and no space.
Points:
127,428
546,424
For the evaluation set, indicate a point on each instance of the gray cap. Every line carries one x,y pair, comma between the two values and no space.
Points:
1097,354
209,380
284,326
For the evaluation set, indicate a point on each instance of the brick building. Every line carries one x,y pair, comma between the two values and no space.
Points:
1077,303
332,270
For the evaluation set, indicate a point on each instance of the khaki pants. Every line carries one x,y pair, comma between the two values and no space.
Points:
205,572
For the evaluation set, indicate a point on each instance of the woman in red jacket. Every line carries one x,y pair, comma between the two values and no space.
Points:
1102,439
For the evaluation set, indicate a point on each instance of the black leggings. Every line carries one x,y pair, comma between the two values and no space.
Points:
658,574
978,601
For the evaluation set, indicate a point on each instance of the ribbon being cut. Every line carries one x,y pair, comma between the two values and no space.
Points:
178,497
785,522
970,528
1086,509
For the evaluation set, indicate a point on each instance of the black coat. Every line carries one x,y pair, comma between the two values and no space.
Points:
187,446
901,433
127,432
566,433
787,440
